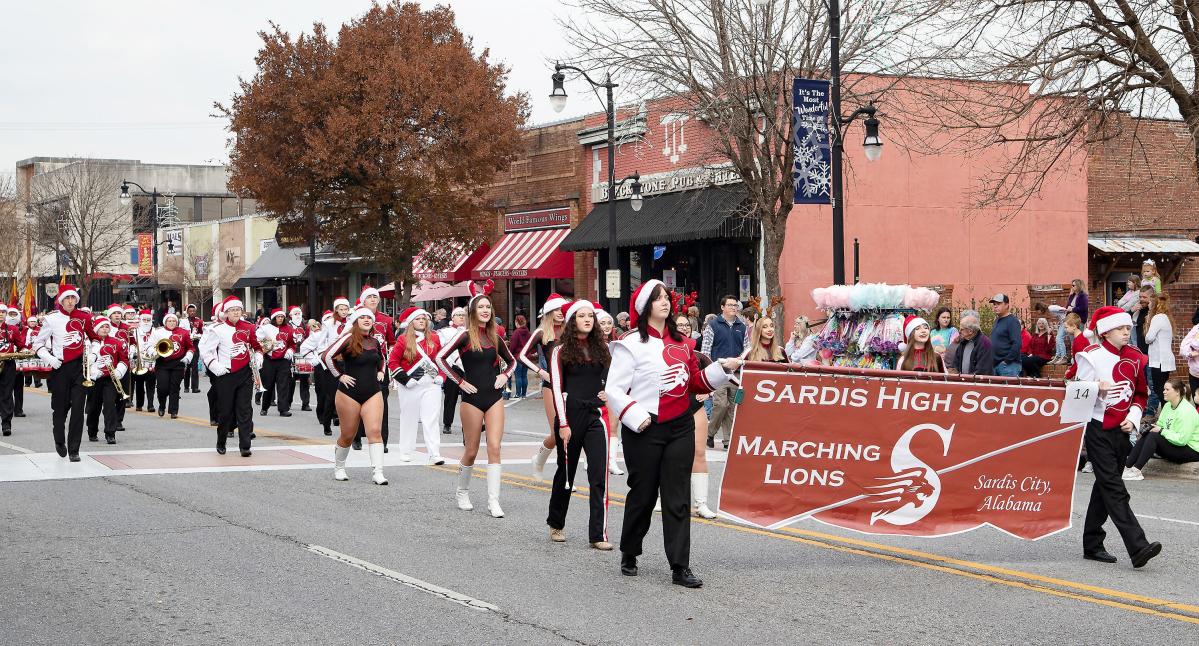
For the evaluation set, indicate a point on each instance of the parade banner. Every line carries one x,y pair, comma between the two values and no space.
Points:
812,171
896,455
145,254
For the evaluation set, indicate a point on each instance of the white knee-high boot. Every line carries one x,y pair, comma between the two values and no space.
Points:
339,462
494,476
613,467
465,474
375,451
539,460
699,495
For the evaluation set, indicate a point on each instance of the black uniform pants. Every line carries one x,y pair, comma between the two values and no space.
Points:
234,408
300,383
191,373
276,384
18,391
212,398
587,435
659,460
169,379
323,403
384,386
102,399
1108,450
66,397
8,383
143,387
449,403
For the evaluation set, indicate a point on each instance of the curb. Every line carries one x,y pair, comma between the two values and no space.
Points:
1159,468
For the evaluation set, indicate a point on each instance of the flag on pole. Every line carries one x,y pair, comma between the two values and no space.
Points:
27,307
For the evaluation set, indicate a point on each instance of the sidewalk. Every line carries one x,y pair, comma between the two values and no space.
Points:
1157,468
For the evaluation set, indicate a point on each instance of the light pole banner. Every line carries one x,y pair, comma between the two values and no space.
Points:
812,171
145,254
895,455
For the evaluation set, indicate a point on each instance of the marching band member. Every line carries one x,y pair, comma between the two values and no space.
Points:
480,349
359,395
578,367
172,368
33,378
449,390
10,341
1120,370
411,365
536,354
195,327
607,324
384,332
110,361
116,316
652,373
276,364
227,350
299,332
341,312
61,342
218,317
313,347
19,337
143,385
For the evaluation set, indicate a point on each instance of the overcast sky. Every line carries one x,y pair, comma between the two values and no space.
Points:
135,79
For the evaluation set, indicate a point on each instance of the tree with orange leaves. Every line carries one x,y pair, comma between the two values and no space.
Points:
376,142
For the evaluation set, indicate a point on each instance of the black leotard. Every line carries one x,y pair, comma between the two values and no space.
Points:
535,349
364,368
480,368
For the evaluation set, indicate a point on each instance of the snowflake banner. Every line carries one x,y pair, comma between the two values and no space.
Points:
812,168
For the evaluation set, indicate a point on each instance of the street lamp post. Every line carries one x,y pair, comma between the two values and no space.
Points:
558,102
126,200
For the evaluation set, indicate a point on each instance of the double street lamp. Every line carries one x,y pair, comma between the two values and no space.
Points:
558,102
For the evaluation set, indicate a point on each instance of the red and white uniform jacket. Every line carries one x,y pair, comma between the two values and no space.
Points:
282,335
299,334
30,336
111,357
1125,369
145,344
656,378
62,337
226,349
180,338
385,332
422,368
195,327
12,337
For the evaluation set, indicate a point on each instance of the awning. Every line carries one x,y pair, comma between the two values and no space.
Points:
1148,245
274,264
460,262
426,291
708,213
528,254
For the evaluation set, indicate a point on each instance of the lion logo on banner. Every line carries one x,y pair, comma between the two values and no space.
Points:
913,491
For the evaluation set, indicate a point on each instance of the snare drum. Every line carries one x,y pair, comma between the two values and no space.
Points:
303,366
33,365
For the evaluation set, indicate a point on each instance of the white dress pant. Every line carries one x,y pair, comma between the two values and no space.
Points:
420,402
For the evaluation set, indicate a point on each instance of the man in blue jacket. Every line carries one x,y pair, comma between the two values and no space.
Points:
973,354
726,336
1005,338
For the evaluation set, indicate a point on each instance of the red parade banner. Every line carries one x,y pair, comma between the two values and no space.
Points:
900,453
145,254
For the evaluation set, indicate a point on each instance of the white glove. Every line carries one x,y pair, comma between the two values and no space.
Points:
105,360
187,358
120,371
438,380
289,354
411,384
55,363
95,373
217,369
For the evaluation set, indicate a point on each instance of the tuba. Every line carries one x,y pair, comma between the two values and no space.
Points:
165,347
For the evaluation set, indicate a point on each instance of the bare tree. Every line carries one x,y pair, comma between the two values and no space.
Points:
76,215
1057,75
12,243
731,64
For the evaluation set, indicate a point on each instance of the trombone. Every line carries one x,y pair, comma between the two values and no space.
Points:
87,365
139,367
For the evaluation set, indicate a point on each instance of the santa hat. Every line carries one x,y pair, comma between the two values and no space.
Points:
114,308
13,308
409,315
64,291
1108,318
640,299
295,309
909,326
231,302
477,292
341,300
190,306
574,308
327,315
169,316
601,314
99,322
367,290
554,302
278,311
357,314
218,311
129,309
145,314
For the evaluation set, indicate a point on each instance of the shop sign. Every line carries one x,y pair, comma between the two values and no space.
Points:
670,278
543,219
672,182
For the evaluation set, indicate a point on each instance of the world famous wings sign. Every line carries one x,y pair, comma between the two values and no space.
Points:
887,455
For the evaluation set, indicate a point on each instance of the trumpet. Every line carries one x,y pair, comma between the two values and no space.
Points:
116,383
165,348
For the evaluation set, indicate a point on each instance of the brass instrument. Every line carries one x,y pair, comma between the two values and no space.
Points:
165,348
267,345
139,365
10,356
116,383
87,366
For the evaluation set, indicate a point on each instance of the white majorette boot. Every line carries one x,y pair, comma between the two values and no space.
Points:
339,462
613,467
465,474
538,461
699,496
494,475
376,454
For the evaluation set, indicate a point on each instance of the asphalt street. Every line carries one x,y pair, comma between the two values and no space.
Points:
292,557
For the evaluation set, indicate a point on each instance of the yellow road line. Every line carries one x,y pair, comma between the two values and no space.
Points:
938,563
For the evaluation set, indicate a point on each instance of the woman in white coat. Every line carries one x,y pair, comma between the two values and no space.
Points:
411,365
1160,337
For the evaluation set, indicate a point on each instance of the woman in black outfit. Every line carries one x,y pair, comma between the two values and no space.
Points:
481,381
358,394
578,368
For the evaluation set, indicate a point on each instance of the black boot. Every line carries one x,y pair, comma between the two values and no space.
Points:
305,407
162,411
628,565
61,449
111,439
74,457
92,437
683,576
8,431
356,444
328,431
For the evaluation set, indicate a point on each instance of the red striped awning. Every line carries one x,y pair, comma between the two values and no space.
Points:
457,270
528,254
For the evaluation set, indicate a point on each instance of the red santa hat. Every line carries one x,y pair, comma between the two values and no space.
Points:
100,322
231,302
909,326
145,314
367,290
114,308
169,316
409,315
341,300
554,302
571,309
1108,318
295,309
278,311
218,311
601,314
357,314
190,306
640,299
327,315
65,290
129,309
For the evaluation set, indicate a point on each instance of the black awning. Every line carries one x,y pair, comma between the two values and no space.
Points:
242,283
709,213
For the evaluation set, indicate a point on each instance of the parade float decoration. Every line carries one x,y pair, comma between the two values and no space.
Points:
865,322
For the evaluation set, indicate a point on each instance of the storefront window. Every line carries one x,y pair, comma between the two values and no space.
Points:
565,287
519,298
